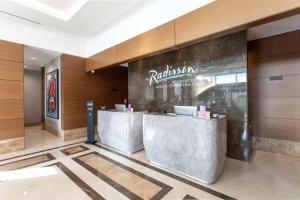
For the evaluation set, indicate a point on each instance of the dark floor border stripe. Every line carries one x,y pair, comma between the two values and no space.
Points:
165,188
189,197
65,151
10,158
179,178
49,155
109,181
79,182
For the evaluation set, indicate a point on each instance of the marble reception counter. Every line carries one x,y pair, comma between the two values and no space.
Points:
121,130
193,147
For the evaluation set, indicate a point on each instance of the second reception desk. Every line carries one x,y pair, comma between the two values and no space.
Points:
121,130
194,147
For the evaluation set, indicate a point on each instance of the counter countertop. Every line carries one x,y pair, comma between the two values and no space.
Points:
183,116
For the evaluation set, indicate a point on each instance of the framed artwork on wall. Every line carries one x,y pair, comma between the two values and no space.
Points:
52,95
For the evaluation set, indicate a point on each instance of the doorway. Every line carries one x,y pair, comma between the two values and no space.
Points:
36,60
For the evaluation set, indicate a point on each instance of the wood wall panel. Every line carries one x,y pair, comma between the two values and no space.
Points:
74,121
282,128
224,16
72,62
274,66
75,112
155,40
11,128
286,44
85,92
11,51
264,88
78,86
11,70
274,104
79,106
11,89
73,77
276,107
72,106
103,59
11,109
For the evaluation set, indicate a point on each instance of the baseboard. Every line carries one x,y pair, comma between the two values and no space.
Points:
77,133
284,147
32,124
11,145
73,134
50,130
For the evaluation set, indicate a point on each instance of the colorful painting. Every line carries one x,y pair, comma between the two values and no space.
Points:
52,95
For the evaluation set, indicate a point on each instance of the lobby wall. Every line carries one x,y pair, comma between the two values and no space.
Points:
105,87
274,92
11,97
32,97
215,74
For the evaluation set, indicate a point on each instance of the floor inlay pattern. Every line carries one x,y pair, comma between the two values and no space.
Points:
213,192
189,197
74,150
44,150
34,174
126,180
85,187
27,162
95,172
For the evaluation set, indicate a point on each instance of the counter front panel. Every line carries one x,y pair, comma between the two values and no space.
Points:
121,130
194,147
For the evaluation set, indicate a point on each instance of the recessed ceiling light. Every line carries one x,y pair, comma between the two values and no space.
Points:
32,58
25,66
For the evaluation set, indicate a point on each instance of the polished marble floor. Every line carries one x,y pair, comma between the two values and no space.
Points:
52,169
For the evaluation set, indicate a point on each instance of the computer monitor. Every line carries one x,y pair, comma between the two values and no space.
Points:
186,110
120,107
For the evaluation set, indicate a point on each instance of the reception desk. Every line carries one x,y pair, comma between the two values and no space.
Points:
191,146
121,130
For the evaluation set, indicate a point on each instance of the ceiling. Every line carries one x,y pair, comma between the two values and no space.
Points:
60,9
80,17
34,57
94,25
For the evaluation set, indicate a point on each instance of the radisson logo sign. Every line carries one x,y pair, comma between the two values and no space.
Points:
170,73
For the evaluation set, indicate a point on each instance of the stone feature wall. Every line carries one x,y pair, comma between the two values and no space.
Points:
213,73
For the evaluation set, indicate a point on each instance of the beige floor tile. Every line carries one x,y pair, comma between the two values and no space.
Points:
25,162
58,187
74,150
134,183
